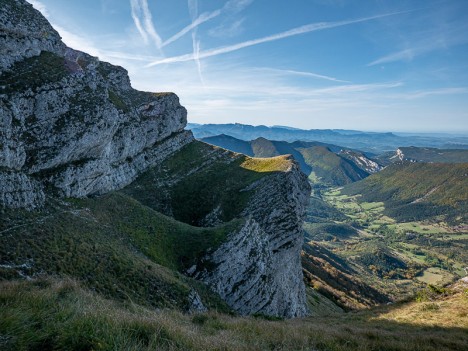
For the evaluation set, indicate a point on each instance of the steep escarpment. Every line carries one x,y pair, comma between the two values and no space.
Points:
257,269
163,204
69,121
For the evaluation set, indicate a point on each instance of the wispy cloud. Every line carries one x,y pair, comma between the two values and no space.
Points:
433,92
227,29
204,17
289,33
437,30
231,7
237,5
419,49
144,22
305,74
193,10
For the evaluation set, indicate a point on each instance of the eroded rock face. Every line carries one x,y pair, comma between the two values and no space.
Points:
258,269
68,120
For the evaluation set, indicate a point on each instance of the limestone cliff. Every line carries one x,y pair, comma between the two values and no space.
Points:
72,126
257,269
70,121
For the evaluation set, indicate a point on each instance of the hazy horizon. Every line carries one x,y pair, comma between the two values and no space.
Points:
408,132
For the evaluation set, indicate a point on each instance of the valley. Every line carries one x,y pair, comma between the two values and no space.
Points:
123,227
378,228
397,257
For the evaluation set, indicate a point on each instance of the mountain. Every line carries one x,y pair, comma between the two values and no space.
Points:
425,154
415,191
322,163
366,141
101,183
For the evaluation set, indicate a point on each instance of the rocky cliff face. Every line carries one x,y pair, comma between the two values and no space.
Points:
72,126
258,270
68,120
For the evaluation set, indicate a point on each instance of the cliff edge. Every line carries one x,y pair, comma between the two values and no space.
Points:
72,126
70,121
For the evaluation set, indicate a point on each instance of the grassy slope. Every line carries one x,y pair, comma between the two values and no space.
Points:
218,182
124,249
330,167
113,244
418,190
49,315
317,160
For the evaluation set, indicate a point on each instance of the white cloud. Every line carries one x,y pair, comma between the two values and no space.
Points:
236,5
434,31
289,33
227,30
305,74
144,22
204,17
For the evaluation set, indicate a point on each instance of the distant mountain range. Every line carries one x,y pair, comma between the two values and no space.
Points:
366,141
323,163
425,154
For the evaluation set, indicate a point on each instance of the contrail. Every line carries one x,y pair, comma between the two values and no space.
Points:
289,33
144,22
204,17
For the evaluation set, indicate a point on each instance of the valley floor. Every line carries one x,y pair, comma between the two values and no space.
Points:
48,314
396,258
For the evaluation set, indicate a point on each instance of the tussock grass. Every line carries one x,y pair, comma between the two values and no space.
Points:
59,314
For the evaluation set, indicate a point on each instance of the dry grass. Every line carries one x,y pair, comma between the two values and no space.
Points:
272,164
448,312
58,315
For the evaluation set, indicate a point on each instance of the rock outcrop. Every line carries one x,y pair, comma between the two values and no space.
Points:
258,270
72,126
70,121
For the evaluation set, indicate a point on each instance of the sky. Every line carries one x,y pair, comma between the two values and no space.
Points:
374,65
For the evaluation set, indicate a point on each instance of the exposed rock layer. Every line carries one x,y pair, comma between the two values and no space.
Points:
71,121
258,270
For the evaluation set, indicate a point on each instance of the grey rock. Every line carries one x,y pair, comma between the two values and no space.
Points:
72,122
74,125
24,33
19,190
258,269
195,303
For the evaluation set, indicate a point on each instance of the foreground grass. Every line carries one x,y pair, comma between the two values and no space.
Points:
56,315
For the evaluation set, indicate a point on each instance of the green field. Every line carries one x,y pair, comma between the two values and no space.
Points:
421,252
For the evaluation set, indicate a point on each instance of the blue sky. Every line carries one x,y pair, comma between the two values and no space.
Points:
382,65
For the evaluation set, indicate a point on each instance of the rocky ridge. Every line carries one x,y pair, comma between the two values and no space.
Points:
72,126
70,121
256,270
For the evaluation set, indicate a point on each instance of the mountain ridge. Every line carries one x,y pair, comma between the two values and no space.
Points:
73,128
323,163
374,142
